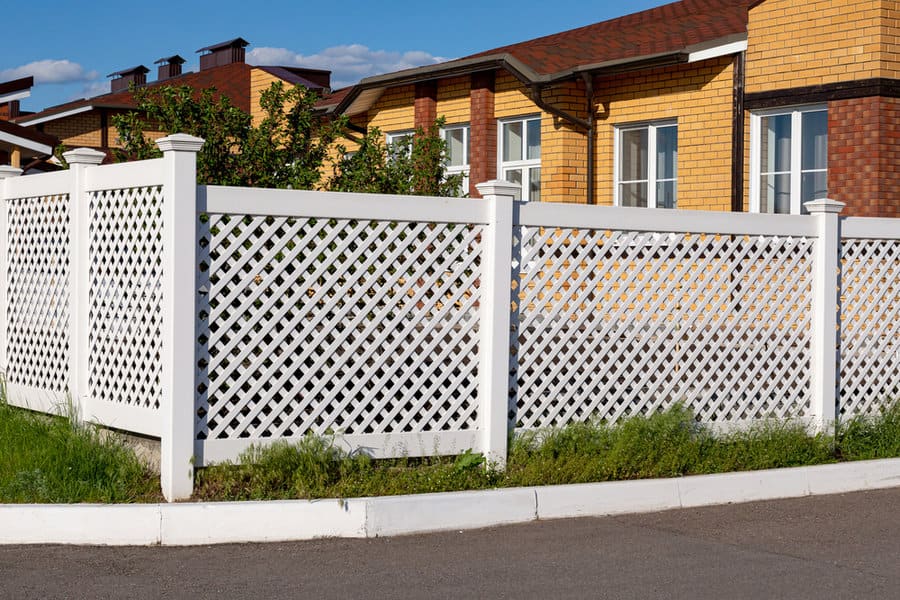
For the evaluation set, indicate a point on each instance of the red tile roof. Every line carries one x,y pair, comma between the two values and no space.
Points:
667,28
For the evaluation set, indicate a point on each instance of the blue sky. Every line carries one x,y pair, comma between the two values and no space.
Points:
69,47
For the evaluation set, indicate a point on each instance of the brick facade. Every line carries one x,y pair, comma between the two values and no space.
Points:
425,106
483,132
864,155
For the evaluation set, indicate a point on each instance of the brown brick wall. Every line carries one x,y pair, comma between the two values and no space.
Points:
425,104
864,156
483,132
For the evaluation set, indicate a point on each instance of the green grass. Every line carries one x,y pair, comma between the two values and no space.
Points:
668,444
52,459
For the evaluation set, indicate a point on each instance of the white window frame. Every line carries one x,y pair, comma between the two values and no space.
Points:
796,171
526,165
393,136
464,168
651,127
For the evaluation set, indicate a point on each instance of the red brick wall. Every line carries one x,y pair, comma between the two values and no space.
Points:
482,132
864,155
425,104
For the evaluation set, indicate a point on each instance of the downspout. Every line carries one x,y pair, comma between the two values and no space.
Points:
586,125
589,94
737,136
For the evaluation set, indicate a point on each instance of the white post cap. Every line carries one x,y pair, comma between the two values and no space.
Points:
823,206
180,142
498,187
9,171
84,156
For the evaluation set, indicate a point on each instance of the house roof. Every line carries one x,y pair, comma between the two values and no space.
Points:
230,80
664,35
15,89
22,137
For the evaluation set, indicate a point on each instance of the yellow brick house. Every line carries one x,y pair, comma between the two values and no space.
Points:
698,104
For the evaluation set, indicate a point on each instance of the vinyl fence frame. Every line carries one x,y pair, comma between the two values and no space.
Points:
164,289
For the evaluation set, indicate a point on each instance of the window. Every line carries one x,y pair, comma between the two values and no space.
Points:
647,165
399,139
520,155
789,159
457,139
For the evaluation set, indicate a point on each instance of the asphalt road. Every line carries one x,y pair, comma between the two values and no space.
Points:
845,546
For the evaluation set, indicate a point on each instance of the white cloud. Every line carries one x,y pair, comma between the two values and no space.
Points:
348,64
50,71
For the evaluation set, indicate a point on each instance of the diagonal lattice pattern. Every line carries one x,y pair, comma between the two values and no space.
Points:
616,323
870,325
38,292
345,326
125,254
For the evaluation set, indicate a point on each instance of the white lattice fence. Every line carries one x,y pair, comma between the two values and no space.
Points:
38,271
870,325
125,298
366,328
613,323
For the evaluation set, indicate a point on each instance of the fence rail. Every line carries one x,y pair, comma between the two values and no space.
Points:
215,318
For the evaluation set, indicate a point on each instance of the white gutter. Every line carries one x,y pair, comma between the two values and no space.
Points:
717,51
53,117
25,143
17,95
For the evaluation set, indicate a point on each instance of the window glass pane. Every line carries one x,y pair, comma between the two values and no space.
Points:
633,194
534,185
814,147
665,194
775,195
776,144
813,186
534,139
455,147
512,141
633,155
666,152
514,176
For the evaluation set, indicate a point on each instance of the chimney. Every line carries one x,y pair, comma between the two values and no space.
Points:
122,80
223,53
169,66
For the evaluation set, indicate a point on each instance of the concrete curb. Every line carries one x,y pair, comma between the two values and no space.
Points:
237,522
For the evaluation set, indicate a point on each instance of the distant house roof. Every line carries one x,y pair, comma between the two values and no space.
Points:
22,137
16,89
231,80
667,34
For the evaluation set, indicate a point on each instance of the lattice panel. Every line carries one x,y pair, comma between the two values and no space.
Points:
38,288
125,296
616,323
870,322
336,326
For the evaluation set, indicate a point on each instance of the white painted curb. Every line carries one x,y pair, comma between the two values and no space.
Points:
237,522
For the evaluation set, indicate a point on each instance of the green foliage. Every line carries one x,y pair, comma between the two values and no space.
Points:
872,437
54,459
286,149
666,444
414,165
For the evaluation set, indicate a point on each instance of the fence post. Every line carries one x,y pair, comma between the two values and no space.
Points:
179,240
6,172
79,160
825,318
496,298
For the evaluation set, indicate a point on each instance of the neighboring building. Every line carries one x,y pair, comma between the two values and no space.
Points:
87,123
20,146
698,104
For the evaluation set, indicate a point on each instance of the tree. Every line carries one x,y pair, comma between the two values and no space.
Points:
287,149
416,165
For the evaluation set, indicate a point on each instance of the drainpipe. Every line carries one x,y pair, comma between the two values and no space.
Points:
589,94
586,125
